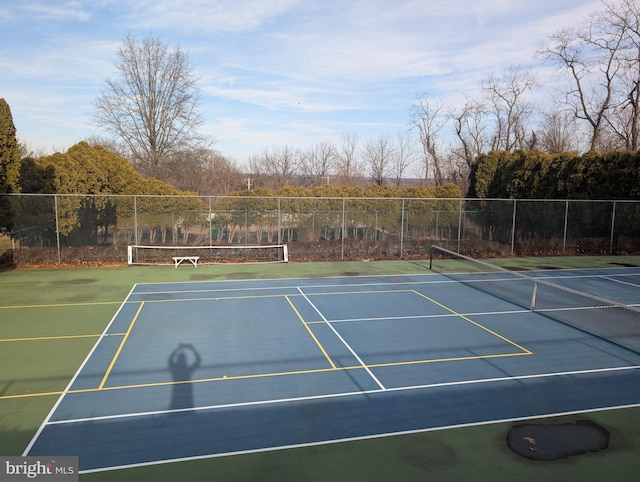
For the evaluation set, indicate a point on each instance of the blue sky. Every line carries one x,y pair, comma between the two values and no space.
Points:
273,73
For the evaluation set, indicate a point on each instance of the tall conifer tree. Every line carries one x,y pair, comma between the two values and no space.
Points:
9,151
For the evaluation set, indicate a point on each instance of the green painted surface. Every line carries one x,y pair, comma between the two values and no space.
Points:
70,307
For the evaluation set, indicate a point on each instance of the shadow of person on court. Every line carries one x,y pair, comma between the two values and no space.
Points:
183,361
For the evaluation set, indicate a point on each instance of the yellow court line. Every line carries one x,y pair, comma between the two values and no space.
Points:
217,298
124,340
475,323
213,298
441,360
311,333
30,395
93,303
362,292
63,305
264,375
46,394
164,384
57,337
299,372
276,295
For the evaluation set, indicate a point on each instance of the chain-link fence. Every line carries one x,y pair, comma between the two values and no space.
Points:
90,230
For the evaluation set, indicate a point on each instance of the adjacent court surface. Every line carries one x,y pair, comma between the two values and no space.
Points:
204,369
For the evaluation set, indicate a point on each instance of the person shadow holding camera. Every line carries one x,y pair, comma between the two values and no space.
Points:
183,361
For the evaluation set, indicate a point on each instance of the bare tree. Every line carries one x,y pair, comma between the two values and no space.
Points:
404,156
457,170
153,104
280,165
623,118
377,155
506,95
347,165
470,126
589,56
203,171
558,132
257,172
429,120
317,163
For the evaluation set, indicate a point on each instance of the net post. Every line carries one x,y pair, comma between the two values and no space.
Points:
533,295
285,253
431,251
129,255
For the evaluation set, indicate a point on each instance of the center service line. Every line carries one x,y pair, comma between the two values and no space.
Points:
382,387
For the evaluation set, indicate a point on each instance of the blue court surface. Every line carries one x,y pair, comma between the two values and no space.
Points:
206,369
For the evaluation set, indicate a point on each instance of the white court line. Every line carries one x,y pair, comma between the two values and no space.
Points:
348,394
421,317
290,287
212,290
48,422
360,438
296,282
72,381
636,285
382,387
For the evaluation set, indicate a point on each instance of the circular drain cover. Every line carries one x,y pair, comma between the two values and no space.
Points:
553,442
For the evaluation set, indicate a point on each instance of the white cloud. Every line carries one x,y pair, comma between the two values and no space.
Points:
62,11
208,16
384,40
275,71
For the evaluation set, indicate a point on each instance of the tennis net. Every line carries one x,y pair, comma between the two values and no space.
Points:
606,319
152,255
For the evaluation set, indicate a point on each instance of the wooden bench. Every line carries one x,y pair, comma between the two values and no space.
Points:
193,259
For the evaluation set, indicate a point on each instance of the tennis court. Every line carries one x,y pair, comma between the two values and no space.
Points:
194,370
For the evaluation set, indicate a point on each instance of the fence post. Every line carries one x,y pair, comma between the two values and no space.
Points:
613,224
279,223
344,224
513,228
210,224
402,229
566,219
246,226
135,219
459,223
55,203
